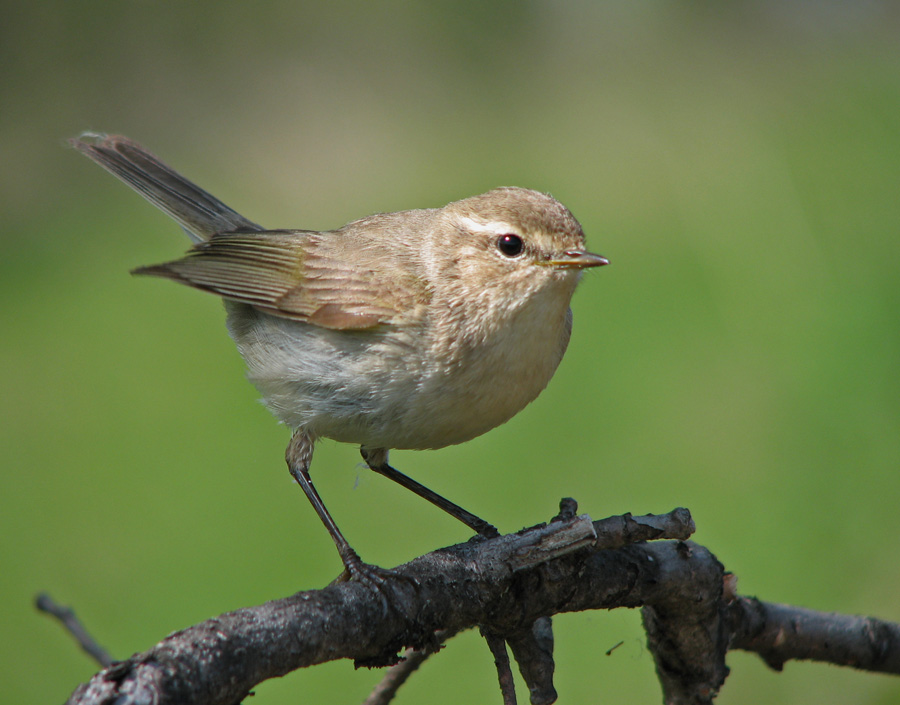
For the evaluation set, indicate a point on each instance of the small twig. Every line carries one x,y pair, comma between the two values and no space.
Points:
613,648
780,633
568,509
70,622
618,531
532,649
397,674
501,660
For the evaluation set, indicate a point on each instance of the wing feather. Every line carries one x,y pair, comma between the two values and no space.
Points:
297,274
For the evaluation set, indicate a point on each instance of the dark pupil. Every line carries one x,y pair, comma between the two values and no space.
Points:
510,245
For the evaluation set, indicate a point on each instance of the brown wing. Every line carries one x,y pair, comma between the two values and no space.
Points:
296,274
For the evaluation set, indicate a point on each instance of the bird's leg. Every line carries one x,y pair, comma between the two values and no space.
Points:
298,456
376,459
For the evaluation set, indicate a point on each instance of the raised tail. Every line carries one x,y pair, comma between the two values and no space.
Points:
199,213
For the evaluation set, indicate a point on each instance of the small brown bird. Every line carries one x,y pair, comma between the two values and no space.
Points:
417,329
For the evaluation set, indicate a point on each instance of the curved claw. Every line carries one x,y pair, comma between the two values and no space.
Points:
375,578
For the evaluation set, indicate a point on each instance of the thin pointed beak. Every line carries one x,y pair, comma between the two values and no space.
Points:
576,259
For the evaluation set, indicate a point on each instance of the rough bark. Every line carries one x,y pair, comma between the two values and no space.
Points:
508,586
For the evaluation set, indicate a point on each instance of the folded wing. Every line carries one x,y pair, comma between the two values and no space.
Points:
296,274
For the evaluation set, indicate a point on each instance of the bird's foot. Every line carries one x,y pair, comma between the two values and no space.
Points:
488,531
382,581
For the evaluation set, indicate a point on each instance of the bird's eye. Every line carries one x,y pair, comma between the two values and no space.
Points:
510,245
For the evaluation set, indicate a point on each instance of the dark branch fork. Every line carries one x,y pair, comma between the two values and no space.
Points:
509,586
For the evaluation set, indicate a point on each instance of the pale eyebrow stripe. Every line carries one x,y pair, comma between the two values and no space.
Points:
497,227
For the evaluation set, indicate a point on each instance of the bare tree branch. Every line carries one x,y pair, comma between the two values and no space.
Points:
684,625
497,645
67,618
508,586
397,674
533,651
780,633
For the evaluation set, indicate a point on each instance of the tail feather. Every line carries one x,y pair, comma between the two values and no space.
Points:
198,212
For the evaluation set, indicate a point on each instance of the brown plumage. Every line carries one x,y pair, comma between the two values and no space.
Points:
416,329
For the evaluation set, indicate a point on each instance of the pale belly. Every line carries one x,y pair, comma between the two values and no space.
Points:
385,389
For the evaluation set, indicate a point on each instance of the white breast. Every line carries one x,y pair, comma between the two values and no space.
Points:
400,388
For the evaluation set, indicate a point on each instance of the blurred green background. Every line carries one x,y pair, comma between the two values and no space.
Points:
739,163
